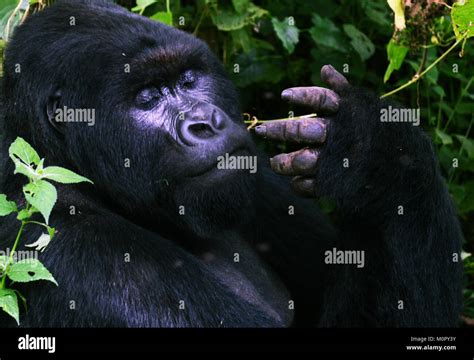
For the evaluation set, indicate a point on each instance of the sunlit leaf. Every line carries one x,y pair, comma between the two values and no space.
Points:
163,16
359,41
28,270
288,33
24,151
462,14
396,54
62,175
9,304
42,195
6,206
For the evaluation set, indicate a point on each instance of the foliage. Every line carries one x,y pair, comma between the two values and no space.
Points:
40,197
268,45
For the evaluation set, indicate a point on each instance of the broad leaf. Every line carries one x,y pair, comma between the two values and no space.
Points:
142,4
227,20
22,150
360,42
287,33
396,54
240,5
28,270
325,33
9,304
42,195
22,168
445,138
6,207
467,145
62,175
164,17
463,18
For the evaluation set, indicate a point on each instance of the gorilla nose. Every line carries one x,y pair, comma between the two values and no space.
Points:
201,125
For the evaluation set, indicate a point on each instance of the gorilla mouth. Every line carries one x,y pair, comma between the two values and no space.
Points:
214,168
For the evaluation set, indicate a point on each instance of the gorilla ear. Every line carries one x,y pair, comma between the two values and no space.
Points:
51,107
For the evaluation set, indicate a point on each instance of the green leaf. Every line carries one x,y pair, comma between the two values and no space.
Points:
359,41
22,298
142,4
227,20
42,195
325,33
28,270
23,215
62,175
164,17
438,90
462,16
445,138
22,168
467,145
396,54
9,304
242,39
22,150
458,193
287,33
240,5
377,11
3,263
6,207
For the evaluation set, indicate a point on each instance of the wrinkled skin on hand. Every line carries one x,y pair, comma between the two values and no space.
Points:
311,132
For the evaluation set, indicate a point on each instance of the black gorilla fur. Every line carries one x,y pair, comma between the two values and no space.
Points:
134,211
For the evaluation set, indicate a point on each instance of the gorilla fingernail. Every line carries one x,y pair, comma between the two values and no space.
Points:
261,130
287,95
303,186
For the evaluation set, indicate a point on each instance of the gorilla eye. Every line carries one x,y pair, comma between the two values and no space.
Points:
148,97
188,79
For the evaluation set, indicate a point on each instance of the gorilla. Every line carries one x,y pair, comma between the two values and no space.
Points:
166,238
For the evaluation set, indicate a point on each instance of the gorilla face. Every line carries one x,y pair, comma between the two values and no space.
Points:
164,111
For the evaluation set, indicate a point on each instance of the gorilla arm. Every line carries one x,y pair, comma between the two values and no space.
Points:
392,204
121,275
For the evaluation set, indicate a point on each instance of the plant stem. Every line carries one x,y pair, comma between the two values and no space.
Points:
201,18
416,78
283,119
451,176
464,91
10,260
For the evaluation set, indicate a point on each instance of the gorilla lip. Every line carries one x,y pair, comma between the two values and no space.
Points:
239,151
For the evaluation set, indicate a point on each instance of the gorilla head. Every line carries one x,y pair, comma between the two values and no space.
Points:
163,111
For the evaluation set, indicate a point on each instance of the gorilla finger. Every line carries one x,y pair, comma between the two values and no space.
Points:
304,186
333,78
318,98
304,131
301,162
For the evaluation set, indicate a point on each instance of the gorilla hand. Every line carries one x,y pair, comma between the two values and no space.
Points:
302,163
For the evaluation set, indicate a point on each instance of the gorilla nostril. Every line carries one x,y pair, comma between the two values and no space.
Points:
201,130
218,121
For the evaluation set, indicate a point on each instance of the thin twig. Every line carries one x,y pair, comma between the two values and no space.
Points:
416,78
